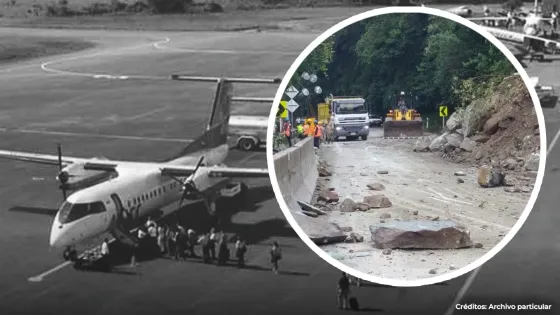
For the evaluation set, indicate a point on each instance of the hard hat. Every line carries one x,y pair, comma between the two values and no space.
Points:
287,119
315,121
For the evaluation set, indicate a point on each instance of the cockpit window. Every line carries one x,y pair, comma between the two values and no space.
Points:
71,212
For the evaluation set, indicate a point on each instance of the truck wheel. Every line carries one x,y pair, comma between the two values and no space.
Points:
247,144
364,138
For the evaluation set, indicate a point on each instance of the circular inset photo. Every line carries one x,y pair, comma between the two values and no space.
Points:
407,147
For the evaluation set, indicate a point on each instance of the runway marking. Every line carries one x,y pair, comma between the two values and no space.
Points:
224,51
40,277
464,289
90,135
46,65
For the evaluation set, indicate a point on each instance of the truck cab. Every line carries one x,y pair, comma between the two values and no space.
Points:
350,117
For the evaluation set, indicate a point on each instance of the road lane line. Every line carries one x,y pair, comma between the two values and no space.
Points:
462,291
461,294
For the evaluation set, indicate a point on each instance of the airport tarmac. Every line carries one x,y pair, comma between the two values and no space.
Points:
65,101
105,115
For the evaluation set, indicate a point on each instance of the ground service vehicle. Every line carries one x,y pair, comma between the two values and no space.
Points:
248,132
402,120
350,117
323,113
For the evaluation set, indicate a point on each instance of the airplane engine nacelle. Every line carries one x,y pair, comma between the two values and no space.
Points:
74,177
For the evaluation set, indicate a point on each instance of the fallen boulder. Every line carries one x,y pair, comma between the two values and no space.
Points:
420,234
319,231
532,162
323,172
454,140
354,238
482,138
468,145
309,213
377,201
490,176
438,143
348,205
309,208
453,122
423,144
328,196
376,186
362,206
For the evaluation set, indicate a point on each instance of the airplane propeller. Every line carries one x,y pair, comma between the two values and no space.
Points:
63,176
189,186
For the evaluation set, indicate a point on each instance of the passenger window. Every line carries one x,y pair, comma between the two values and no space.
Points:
143,199
128,203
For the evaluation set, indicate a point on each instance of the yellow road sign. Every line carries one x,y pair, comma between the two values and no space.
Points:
282,110
443,111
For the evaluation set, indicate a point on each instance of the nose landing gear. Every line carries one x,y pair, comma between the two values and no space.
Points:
70,254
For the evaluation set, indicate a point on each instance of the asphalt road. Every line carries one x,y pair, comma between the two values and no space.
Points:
99,111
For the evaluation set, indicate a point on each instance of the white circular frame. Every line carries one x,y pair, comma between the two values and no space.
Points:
440,278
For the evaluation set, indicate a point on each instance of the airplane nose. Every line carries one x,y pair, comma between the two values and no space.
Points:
56,239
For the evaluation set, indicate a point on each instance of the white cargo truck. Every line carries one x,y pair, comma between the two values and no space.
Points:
248,132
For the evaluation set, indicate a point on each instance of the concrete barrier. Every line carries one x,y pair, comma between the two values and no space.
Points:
296,172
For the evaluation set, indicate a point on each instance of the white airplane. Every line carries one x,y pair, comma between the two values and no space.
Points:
128,191
534,24
462,11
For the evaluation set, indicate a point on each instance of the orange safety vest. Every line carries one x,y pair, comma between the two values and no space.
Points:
311,131
305,130
287,129
318,131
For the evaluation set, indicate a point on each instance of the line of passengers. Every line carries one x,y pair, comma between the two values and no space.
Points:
178,243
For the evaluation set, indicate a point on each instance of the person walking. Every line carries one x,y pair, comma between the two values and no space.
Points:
317,136
343,291
287,130
275,256
240,250
212,240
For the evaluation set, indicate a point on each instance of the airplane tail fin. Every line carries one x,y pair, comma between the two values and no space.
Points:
216,132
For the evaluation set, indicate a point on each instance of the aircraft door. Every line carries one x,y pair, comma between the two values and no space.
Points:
119,209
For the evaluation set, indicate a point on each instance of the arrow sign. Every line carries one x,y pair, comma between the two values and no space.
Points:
443,111
282,112
292,106
292,92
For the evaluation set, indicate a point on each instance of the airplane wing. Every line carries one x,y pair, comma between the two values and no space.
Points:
516,37
109,165
494,18
215,171
51,159
38,158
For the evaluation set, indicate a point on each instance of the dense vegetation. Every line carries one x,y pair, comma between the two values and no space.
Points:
435,59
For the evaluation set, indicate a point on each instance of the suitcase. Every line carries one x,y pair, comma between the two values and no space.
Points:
354,304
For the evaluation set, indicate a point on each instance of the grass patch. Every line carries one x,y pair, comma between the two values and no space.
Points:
201,15
18,48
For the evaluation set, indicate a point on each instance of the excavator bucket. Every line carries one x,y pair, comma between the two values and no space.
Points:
403,128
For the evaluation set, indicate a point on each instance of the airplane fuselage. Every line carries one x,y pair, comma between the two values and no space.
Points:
137,191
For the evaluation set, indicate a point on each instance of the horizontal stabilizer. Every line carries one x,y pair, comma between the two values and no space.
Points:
179,77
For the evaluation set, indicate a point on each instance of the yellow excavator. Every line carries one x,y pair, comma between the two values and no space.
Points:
402,120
